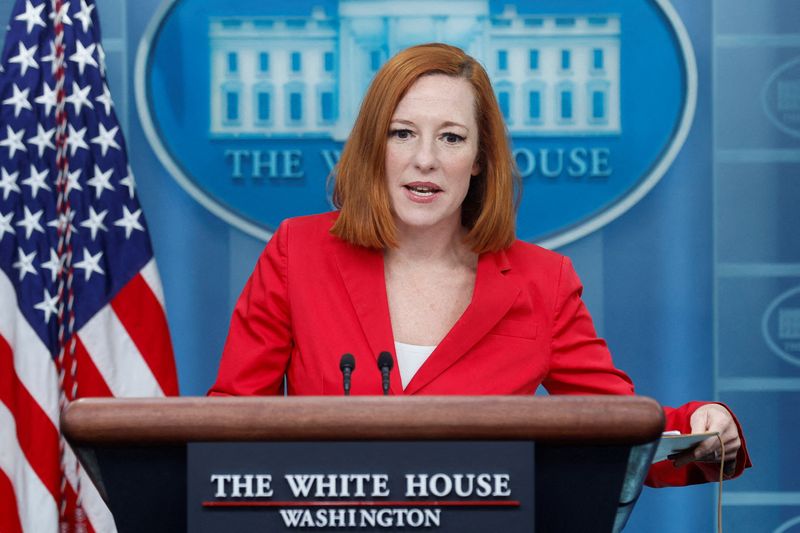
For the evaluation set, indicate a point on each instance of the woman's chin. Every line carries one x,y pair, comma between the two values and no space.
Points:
417,221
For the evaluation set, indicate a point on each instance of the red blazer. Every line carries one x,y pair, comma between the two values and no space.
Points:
314,297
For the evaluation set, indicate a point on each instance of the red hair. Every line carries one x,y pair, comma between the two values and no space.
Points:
489,209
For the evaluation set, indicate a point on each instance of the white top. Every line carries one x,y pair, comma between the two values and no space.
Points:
409,358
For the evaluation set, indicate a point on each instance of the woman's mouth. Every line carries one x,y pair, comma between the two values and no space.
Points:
424,190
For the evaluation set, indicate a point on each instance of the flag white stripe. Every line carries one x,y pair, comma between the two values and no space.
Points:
33,364
93,505
150,275
95,508
116,357
36,370
37,509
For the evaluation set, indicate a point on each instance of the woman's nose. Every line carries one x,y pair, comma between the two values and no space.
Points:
425,157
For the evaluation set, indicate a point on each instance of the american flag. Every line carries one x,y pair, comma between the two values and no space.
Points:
81,305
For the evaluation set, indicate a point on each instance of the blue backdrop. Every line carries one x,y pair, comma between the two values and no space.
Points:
694,287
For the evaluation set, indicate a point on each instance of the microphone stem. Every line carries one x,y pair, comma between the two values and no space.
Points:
385,372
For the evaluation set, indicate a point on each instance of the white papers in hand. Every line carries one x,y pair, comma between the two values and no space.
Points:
671,443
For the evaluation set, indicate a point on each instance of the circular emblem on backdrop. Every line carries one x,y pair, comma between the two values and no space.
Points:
780,97
247,104
790,526
781,326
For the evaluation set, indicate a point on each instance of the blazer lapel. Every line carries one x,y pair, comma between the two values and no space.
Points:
364,279
492,298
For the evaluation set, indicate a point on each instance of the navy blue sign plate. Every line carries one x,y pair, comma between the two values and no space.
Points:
457,487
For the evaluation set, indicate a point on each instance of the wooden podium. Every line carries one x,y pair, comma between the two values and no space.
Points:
591,452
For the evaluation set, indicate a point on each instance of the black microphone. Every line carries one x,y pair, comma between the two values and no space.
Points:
347,365
385,364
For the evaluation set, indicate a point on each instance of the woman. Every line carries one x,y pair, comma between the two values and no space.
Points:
421,261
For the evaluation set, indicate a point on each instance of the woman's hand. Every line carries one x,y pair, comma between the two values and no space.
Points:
712,418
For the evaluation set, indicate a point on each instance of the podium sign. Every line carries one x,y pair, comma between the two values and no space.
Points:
446,486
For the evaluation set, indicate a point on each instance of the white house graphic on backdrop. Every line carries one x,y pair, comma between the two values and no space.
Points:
290,77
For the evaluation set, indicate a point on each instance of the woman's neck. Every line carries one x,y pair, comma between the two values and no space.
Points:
441,246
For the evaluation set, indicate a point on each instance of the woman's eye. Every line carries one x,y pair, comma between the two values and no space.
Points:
400,134
452,138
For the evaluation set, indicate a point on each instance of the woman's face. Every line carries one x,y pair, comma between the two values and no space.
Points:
431,152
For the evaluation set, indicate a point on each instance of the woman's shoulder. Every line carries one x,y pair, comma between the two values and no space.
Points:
544,271
307,227
526,255
317,222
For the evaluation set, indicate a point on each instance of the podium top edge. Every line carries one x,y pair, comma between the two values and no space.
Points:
161,421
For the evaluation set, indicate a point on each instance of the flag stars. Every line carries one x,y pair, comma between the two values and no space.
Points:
72,181
32,16
43,139
101,56
80,97
129,221
47,98
24,263
129,181
5,225
106,100
8,182
31,222
101,181
85,15
83,56
90,149
95,221
106,139
49,305
61,221
25,58
75,139
54,265
36,181
19,100
51,58
90,263
13,141
63,12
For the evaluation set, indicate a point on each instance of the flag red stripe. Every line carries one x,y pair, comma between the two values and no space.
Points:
37,438
90,381
70,512
143,318
36,434
9,517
